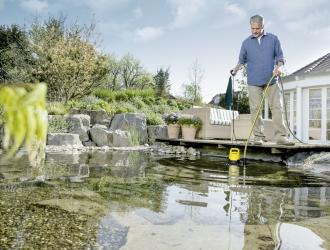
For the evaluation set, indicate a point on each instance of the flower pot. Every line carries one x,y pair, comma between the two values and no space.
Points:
188,132
173,131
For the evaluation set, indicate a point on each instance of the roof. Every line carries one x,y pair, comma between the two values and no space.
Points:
321,64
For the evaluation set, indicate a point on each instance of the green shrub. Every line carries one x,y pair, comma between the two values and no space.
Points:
172,103
149,101
147,93
138,103
105,95
121,96
56,108
160,101
154,119
58,124
190,120
121,108
181,106
164,109
131,93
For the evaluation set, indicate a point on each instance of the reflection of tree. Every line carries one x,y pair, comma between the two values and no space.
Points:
147,192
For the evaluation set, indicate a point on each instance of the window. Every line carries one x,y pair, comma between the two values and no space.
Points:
328,114
315,114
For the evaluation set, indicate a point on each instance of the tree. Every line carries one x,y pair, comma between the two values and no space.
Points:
132,73
113,81
193,90
162,85
68,59
15,55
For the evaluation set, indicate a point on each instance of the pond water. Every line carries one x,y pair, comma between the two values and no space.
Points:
137,200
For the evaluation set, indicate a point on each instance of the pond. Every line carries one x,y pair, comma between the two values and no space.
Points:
138,200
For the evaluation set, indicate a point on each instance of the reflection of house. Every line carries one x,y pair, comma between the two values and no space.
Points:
307,94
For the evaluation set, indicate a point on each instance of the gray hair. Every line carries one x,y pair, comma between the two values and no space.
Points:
257,19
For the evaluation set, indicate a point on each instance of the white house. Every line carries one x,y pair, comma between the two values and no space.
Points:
307,95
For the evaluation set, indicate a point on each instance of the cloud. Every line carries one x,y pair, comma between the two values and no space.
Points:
292,9
148,34
137,13
309,22
233,14
186,12
238,13
34,5
311,25
101,6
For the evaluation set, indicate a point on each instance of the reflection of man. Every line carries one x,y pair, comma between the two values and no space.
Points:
260,51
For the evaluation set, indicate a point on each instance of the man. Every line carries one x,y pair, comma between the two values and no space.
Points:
261,52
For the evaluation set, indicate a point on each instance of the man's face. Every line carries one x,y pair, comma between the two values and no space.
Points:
257,29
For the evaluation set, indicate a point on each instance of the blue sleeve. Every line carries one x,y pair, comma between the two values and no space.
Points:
278,52
242,55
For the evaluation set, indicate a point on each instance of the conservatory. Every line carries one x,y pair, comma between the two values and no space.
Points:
307,97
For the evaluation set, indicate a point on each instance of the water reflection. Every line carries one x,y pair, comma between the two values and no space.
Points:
135,200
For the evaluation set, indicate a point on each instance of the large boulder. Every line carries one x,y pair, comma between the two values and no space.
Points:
63,139
79,124
136,124
157,131
111,138
96,116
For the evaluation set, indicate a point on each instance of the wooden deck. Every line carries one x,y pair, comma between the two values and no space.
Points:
271,145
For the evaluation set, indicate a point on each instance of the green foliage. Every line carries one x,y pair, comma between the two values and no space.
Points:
132,73
190,120
121,96
91,103
135,135
122,108
164,109
146,93
162,82
160,101
24,119
68,59
138,103
105,95
154,119
149,100
58,124
15,56
193,90
172,103
56,108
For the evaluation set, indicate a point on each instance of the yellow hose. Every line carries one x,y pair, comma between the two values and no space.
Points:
256,117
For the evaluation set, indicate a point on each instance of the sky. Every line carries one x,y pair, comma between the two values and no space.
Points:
177,33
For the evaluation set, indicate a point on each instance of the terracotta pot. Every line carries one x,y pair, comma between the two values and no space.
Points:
173,131
188,132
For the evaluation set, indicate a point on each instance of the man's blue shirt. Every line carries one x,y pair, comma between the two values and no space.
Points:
261,58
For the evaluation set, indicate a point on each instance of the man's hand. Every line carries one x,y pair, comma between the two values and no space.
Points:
233,72
277,72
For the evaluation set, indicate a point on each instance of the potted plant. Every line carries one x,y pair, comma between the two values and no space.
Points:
173,129
189,124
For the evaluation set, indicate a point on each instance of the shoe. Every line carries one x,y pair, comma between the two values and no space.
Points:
258,141
285,141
